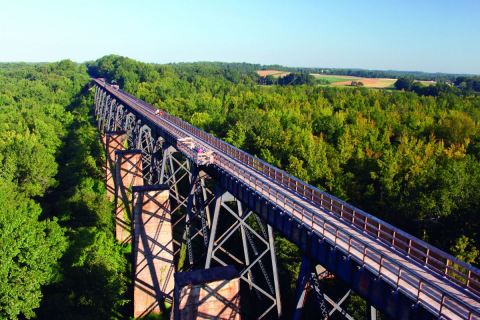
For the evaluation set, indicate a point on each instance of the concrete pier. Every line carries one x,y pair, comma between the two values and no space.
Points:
152,250
128,171
207,294
113,141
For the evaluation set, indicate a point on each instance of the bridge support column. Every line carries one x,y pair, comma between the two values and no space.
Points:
100,104
175,172
103,138
113,141
197,220
207,294
128,173
371,312
153,256
242,226
309,279
191,198
302,287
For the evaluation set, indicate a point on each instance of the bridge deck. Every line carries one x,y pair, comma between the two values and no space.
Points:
435,291
407,282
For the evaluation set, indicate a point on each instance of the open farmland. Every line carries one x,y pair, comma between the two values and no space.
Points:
339,80
274,73
336,80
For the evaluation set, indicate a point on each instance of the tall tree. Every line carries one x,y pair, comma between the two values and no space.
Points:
30,251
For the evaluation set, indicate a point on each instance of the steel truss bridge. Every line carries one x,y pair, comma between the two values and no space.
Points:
229,205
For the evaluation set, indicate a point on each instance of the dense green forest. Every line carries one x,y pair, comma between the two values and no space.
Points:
59,258
412,160
465,86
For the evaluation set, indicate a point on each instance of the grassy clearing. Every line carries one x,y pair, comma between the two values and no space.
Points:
427,82
341,81
334,78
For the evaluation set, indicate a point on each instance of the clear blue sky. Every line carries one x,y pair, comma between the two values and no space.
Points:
426,35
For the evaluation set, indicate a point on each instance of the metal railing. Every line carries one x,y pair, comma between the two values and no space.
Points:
399,277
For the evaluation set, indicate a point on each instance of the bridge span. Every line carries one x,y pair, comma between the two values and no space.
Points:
400,275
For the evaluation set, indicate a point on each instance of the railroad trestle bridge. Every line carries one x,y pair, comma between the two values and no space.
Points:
190,202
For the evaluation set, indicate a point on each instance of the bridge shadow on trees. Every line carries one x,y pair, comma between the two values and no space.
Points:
92,283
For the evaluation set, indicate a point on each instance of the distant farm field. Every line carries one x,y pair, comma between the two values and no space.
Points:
336,80
427,82
274,73
339,80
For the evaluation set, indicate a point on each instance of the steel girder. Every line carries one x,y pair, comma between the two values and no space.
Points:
256,260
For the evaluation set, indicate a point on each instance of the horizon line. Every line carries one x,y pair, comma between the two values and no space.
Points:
253,63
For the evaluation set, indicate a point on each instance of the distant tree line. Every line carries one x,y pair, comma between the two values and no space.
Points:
460,86
388,74
291,79
468,84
